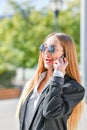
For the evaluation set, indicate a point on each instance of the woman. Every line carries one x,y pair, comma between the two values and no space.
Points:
52,99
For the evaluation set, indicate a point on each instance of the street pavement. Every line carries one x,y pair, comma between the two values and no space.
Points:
7,114
8,120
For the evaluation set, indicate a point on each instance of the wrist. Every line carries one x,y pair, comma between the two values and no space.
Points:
58,73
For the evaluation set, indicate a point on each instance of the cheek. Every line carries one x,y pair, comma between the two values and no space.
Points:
56,57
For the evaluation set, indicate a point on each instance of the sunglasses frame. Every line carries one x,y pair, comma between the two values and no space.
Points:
43,48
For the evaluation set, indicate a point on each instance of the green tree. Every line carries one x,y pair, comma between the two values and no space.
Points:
69,22
22,34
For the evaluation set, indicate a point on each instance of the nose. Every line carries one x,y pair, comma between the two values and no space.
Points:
47,51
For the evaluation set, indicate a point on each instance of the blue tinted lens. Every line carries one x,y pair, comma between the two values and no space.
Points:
42,48
51,49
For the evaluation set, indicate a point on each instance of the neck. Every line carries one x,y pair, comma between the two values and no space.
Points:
49,74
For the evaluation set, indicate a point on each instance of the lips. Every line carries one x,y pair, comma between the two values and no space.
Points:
48,60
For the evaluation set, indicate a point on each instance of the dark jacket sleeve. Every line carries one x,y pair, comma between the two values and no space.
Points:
61,99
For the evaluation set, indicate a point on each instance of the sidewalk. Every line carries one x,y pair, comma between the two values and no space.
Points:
8,120
7,114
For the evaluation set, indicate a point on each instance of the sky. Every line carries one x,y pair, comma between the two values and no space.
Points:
6,9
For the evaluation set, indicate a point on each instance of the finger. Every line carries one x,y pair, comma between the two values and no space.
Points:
65,59
61,60
66,63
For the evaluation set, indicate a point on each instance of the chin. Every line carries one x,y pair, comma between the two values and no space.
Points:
48,66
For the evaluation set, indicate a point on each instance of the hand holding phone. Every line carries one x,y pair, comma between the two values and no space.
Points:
61,64
63,56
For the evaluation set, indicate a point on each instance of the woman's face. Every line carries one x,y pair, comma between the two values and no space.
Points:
48,57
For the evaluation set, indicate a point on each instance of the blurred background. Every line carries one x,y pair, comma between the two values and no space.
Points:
24,24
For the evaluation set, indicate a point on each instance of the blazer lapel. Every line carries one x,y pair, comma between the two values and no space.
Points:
23,110
42,96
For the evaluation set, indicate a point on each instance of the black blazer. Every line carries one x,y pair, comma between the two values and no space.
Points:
55,105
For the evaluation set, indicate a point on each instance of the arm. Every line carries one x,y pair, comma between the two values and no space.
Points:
61,99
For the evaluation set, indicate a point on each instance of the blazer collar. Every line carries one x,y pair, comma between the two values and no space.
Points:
39,102
22,111
23,108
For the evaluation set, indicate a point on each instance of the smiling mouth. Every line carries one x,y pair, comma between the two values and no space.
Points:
48,60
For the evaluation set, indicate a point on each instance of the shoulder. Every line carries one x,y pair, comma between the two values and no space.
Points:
26,86
27,83
73,86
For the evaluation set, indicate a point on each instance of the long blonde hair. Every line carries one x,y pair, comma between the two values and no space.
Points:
71,70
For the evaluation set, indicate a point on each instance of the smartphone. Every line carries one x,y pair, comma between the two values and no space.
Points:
63,56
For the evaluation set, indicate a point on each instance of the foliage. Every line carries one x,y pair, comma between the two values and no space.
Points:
22,34
69,22
6,78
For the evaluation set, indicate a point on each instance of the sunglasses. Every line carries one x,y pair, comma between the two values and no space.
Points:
43,48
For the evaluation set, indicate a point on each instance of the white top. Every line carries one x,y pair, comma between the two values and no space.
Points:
33,100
